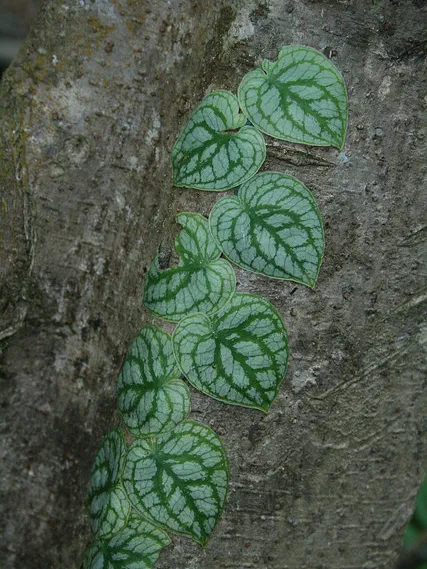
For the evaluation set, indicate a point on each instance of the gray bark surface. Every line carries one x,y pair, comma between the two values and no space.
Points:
88,115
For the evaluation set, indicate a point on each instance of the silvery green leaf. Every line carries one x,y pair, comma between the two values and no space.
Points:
301,97
151,396
109,506
202,282
215,151
273,227
137,546
239,355
178,480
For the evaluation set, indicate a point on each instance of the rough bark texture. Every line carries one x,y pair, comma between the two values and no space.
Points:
89,113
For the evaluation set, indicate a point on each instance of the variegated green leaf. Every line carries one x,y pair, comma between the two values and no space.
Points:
202,282
109,506
151,396
238,355
137,546
210,154
178,480
301,97
273,227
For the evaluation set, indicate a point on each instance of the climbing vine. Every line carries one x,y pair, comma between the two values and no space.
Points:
231,346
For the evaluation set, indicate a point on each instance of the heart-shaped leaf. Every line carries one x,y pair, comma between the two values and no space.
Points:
137,546
179,479
238,355
301,97
151,396
210,154
109,506
273,227
202,282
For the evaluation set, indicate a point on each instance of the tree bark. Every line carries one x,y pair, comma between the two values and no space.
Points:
89,113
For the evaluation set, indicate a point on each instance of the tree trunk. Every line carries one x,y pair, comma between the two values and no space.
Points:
89,113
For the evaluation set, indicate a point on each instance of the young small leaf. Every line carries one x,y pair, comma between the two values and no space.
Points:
109,506
151,396
137,546
238,355
179,479
273,227
208,155
202,282
301,97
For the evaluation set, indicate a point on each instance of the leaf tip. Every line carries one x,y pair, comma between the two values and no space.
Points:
203,542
